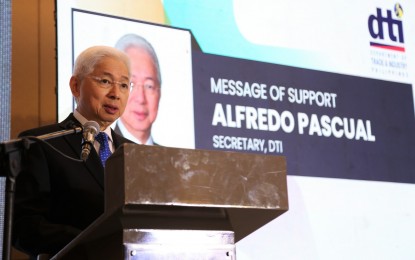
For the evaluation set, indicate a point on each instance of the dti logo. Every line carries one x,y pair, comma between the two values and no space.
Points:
379,23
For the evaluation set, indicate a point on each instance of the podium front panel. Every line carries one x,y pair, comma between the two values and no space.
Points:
196,186
155,175
181,203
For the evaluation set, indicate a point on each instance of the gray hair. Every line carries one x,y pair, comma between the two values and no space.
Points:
86,61
136,41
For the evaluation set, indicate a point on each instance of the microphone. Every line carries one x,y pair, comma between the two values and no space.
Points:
90,130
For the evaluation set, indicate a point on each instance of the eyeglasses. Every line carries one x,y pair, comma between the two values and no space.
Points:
107,83
149,88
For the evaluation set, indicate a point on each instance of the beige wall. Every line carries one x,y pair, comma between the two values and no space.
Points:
33,97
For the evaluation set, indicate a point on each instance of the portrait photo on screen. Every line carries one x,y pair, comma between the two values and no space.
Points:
160,106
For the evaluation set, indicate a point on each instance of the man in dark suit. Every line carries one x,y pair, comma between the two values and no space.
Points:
57,197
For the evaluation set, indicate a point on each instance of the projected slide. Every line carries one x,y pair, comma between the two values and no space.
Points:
329,85
335,125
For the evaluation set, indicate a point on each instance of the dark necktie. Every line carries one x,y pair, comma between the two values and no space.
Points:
104,149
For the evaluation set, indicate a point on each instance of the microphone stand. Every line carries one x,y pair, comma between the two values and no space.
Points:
10,166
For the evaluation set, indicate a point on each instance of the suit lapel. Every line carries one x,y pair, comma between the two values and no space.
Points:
118,139
93,163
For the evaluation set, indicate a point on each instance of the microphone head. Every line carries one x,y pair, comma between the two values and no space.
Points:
91,127
89,130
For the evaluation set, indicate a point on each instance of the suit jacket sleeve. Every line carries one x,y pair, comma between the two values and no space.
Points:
56,197
35,229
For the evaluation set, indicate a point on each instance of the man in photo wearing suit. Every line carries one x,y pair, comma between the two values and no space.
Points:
142,107
58,197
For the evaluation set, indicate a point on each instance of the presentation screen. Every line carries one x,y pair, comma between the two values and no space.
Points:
328,85
342,125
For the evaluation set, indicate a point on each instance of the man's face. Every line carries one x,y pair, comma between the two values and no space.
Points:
142,106
97,102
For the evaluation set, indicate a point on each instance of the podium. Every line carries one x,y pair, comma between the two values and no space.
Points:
171,203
